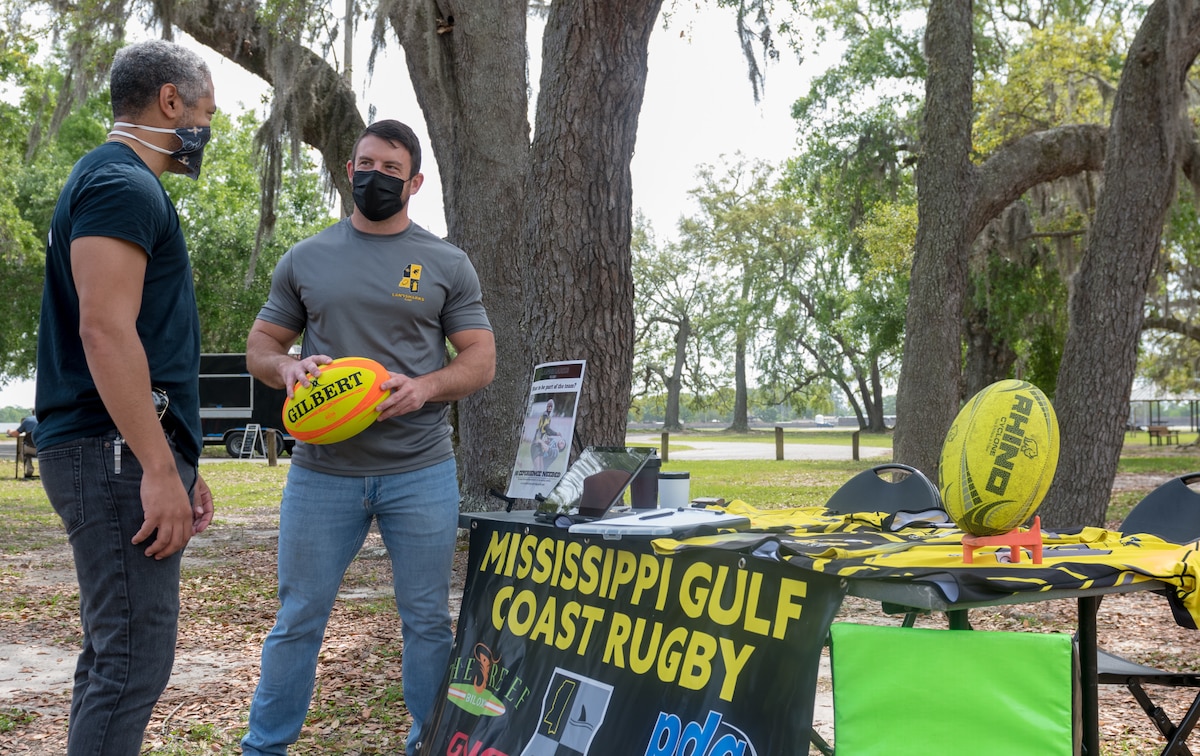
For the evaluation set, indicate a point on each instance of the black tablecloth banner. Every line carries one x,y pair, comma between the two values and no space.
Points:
572,646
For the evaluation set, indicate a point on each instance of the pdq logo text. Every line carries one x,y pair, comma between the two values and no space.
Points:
714,738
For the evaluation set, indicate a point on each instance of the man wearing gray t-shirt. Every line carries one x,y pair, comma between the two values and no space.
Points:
374,285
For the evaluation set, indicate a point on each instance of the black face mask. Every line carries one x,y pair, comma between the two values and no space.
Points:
377,195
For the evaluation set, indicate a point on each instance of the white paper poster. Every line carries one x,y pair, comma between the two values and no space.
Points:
549,426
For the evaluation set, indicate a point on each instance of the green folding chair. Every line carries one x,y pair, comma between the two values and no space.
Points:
914,691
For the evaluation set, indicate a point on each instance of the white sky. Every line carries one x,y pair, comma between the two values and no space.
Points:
698,107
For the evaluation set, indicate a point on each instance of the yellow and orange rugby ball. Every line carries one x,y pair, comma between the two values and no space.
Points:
339,404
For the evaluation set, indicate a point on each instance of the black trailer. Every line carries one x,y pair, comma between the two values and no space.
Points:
231,399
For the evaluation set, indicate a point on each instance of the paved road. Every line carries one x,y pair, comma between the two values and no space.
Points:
701,449
697,449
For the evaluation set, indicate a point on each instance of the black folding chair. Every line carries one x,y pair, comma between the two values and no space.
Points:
869,491
1171,512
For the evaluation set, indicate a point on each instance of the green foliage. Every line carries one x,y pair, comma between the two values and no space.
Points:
886,238
672,301
1025,303
22,256
220,215
14,414
219,212
882,62
1170,355
12,718
1062,74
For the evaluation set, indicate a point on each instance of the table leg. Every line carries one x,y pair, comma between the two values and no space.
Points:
1088,608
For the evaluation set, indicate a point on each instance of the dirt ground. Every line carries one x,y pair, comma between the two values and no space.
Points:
205,705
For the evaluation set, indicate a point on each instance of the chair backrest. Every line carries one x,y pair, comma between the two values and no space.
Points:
1171,511
868,491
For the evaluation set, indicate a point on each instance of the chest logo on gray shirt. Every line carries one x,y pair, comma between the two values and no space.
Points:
412,278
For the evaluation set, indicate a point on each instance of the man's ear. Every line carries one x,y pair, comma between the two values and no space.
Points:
169,101
414,184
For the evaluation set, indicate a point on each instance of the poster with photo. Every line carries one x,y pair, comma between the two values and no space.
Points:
549,426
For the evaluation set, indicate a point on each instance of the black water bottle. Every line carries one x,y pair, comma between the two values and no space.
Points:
643,492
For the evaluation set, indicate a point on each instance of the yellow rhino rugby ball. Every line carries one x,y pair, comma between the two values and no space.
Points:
999,458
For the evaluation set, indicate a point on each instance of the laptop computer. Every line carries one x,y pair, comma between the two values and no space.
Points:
593,483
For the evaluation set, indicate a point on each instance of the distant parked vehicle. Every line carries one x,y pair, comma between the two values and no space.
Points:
231,399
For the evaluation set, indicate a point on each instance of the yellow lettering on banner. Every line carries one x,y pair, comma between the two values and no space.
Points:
647,577
619,633
544,566
570,613
521,613
696,669
589,579
527,547
502,598
592,615
668,657
788,608
664,584
693,604
640,662
547,622
686,657
734,663
724,595
559,551
754,623
626,568
495,552
570,571
727,615
702,589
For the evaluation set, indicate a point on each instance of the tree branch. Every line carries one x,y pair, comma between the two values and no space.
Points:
1035,159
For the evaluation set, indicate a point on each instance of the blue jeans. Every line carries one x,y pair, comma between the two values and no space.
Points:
323,522
128,602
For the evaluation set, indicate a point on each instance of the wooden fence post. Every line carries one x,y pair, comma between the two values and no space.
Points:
663,452
779,443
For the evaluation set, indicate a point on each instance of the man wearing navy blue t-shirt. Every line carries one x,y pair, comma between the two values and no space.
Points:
117,390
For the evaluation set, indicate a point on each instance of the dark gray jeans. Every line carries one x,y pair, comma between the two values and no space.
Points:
128,602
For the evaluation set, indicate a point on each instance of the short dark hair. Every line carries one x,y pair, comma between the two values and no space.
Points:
140,70
392,131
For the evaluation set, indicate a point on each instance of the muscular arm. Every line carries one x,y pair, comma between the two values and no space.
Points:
472,368
108,277
268,360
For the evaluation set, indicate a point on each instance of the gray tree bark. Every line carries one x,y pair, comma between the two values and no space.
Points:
546,223
1146,145
955,201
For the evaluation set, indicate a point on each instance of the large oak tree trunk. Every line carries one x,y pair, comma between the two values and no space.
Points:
467,65
577,220
547,224
926,397
956,200
1108,293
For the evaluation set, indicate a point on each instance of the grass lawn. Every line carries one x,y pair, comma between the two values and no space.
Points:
228,598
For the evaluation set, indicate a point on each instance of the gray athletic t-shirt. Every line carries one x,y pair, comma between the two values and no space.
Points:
394,299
